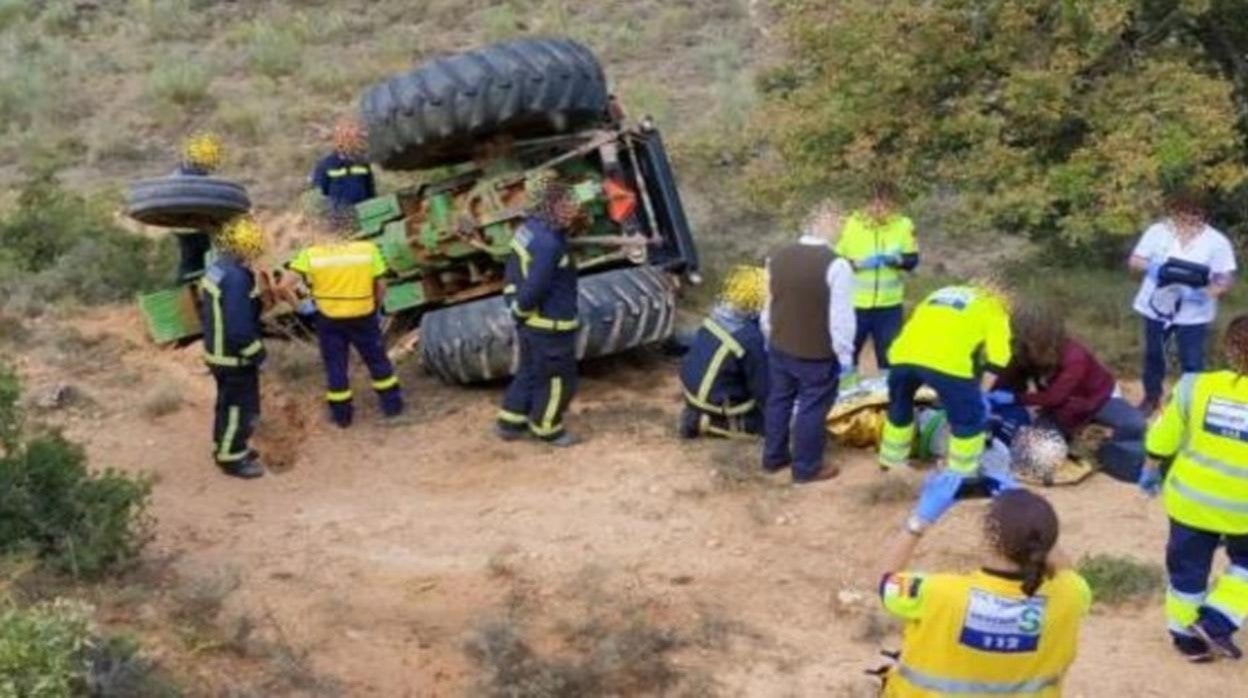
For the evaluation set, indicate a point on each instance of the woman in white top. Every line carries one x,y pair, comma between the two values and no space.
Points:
1187,265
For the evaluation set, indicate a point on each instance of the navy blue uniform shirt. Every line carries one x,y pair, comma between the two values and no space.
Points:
541,276
343,181
740,376
229,312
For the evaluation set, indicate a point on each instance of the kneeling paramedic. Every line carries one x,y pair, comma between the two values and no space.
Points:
344,280
230,310
724,375
542,292
1201,433
956,341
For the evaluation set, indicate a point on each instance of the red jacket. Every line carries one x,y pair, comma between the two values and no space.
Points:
1077,390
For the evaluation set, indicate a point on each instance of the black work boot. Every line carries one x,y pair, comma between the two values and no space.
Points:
689,426
1219,645
247,469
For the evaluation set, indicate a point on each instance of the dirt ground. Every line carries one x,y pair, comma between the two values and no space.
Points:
386,550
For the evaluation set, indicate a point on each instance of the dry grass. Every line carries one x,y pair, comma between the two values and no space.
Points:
162,399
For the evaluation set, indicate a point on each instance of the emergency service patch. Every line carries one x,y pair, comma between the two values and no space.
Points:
900,593
1227,418
1000,624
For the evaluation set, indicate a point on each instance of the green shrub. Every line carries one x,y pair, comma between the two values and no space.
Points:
180,83
43,650
1115,579
55,244
82,523
14,11
167,19
274,51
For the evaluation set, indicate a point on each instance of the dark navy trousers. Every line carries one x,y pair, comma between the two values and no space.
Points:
544,384
881,326
236,413
1191,345
336,336
811,386
1189,562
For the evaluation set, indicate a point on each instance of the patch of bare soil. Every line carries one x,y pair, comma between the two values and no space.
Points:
428,559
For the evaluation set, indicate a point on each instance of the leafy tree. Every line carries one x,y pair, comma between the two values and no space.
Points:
1064,119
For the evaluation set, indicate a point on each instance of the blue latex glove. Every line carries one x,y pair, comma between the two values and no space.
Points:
987,404
875,261
1150,481
1001,397
1001,480
305,307
937,497
1154,268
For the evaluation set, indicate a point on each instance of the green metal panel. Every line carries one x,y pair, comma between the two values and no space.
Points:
396,248
170,314
405,296
374,214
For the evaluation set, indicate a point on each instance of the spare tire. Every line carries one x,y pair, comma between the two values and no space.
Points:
186,201
619,310
529,88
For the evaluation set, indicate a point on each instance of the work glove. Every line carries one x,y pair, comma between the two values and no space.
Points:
999,480
1001,397
848,379
1150,480
939,492
892,258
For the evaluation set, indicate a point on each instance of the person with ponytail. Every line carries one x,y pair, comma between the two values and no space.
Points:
1198,460
1009,628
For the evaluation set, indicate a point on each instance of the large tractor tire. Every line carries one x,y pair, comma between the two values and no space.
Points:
436,114
186,201
619,310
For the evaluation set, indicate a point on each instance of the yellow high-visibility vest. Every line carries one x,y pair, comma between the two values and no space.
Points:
956,331
1205,428
863,237
978,634
341,277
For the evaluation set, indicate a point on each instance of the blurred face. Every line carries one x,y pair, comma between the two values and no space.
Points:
571,215
880,207
826,225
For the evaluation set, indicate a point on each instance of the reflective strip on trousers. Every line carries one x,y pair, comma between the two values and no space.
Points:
895,444
721,410
548,426
1230,595
1214,464
964,453
338,395
1182,608
227,439
988,688
512,417
386,383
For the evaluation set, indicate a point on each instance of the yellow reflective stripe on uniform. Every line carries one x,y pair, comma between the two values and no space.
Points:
724,337
946,686
538,322
338,395
1230,595
1178,487
359,170
512,417
231,430
895,445
226,361
548,425
218,317
525,258
337,172
565,261
727,345
252,349
386,383
964,453
722,410
509,289
330,261
1182,609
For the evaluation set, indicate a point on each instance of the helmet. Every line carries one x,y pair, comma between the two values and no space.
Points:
350,138
744,289
202,151
242,237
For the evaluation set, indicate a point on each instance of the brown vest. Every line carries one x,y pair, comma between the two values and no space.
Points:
799,301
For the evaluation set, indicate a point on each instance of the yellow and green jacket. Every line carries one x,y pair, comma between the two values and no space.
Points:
863,237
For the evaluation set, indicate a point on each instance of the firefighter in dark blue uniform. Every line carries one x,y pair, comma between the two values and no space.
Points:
344,177
230,307
542,294
724,374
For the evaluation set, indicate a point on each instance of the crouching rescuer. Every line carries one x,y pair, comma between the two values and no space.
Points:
344,278
1202,435
230,308
724,375
542,292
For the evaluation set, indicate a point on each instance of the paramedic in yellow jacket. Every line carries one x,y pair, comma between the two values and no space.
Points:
1010,628
1203,435
956,341
879,242
344,278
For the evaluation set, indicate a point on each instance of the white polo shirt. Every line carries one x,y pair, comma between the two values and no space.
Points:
1209,247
